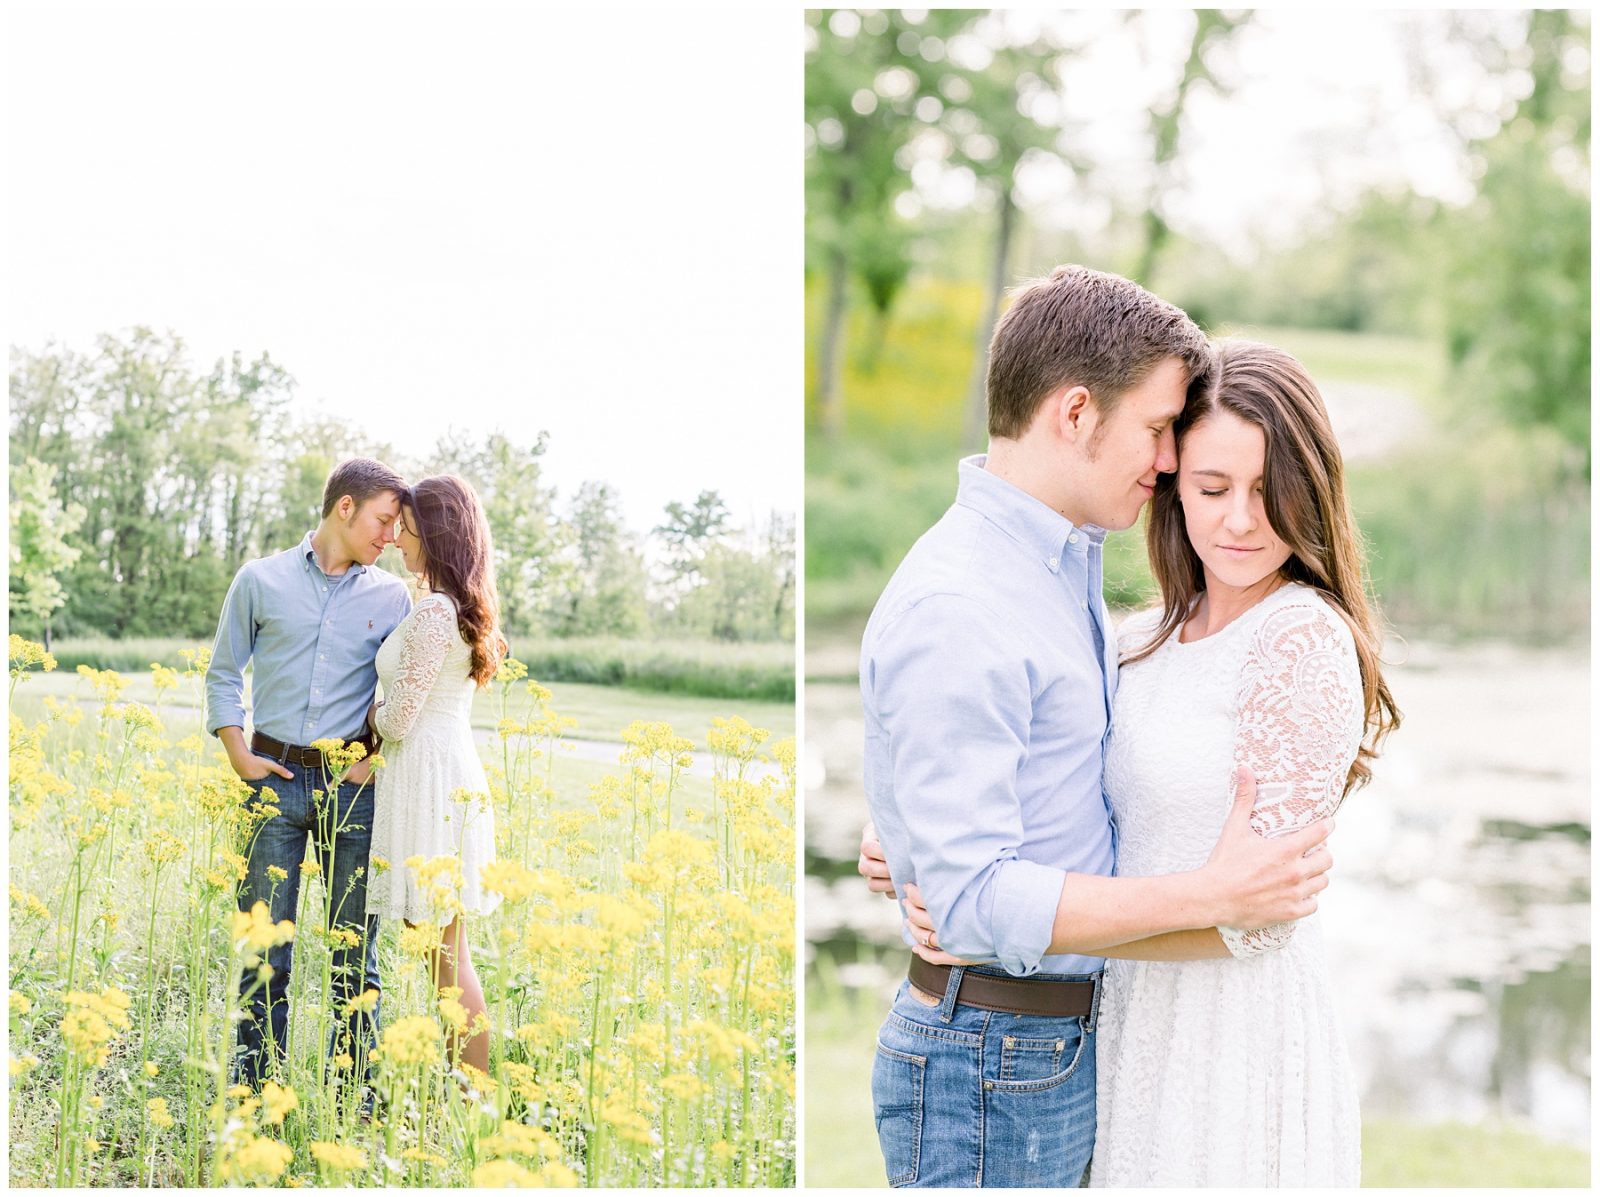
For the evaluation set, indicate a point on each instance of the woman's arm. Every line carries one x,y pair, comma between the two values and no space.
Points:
422,652
1300,724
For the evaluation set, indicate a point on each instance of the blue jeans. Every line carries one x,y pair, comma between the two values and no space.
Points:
341,835
968,1098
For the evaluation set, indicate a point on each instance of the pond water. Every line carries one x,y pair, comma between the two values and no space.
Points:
1457,926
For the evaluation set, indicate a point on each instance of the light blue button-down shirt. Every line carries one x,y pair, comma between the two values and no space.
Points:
314,639
987,671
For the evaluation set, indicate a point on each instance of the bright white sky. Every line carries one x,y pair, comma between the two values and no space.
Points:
436,216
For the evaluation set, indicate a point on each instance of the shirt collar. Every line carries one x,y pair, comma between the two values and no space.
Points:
1043,531
308,559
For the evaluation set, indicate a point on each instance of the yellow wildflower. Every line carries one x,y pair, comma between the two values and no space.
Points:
256,932
339,1157
277,1100
160,1117
254,1160
414,1040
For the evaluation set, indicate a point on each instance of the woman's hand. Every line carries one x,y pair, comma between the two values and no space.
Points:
872,865
923,932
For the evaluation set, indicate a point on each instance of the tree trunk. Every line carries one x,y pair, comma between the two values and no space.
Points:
830,358
975,432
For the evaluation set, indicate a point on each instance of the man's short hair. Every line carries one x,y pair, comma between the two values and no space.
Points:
360,478
1081,327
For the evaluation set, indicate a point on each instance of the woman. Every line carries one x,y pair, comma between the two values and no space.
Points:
432,797
1263,653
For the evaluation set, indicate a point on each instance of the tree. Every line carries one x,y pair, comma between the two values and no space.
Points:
781,562
1211,29
1517,302
601,592
865,75
688,534
40,551
996,123
509,481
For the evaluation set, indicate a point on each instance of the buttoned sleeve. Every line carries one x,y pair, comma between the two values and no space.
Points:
231,652
955,698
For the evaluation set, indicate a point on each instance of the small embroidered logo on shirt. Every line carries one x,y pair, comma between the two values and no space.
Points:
369,625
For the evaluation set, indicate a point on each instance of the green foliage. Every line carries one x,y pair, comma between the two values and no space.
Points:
597,586
756,671
1517,297
132,655
40,525
1482,534
1347,273
146,485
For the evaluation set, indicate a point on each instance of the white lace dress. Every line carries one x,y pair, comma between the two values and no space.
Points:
432,797
1230,1071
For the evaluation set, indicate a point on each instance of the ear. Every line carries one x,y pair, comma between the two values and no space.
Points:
1073,413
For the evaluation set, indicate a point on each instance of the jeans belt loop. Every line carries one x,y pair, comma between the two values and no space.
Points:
1094,1006
952,991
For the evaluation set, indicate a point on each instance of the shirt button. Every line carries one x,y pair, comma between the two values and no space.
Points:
1073,539
1054,562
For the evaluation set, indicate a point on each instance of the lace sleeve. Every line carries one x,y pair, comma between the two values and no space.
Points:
1300,723
422,653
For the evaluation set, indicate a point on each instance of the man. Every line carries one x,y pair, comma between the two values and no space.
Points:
312,618
987,673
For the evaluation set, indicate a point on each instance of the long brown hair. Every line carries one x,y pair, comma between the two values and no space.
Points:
458,555
1303,492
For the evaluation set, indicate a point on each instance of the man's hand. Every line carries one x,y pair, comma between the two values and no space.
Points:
1255,881
872,865
251,767
925,937
359,773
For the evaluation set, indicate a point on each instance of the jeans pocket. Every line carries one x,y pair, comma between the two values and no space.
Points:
1039,1121
1031,1059
1031,1063
897,1082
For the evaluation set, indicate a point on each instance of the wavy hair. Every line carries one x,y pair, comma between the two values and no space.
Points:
1304,495
458,560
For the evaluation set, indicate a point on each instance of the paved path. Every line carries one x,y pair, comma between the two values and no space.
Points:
609,752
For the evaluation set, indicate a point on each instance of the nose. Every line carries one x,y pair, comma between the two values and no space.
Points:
1167,453
1241,517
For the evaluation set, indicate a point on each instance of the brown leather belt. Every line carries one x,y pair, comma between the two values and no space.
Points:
1009,995
265,745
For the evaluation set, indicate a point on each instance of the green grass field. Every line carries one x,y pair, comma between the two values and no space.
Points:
761,672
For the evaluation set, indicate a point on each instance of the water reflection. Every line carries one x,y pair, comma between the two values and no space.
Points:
1458,925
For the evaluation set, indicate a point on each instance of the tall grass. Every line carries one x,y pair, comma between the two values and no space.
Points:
760,671
638,974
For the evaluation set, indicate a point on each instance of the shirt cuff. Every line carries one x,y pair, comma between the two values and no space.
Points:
227,717
1026,895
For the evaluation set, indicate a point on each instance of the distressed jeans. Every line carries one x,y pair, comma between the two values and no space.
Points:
968,1098
341,835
